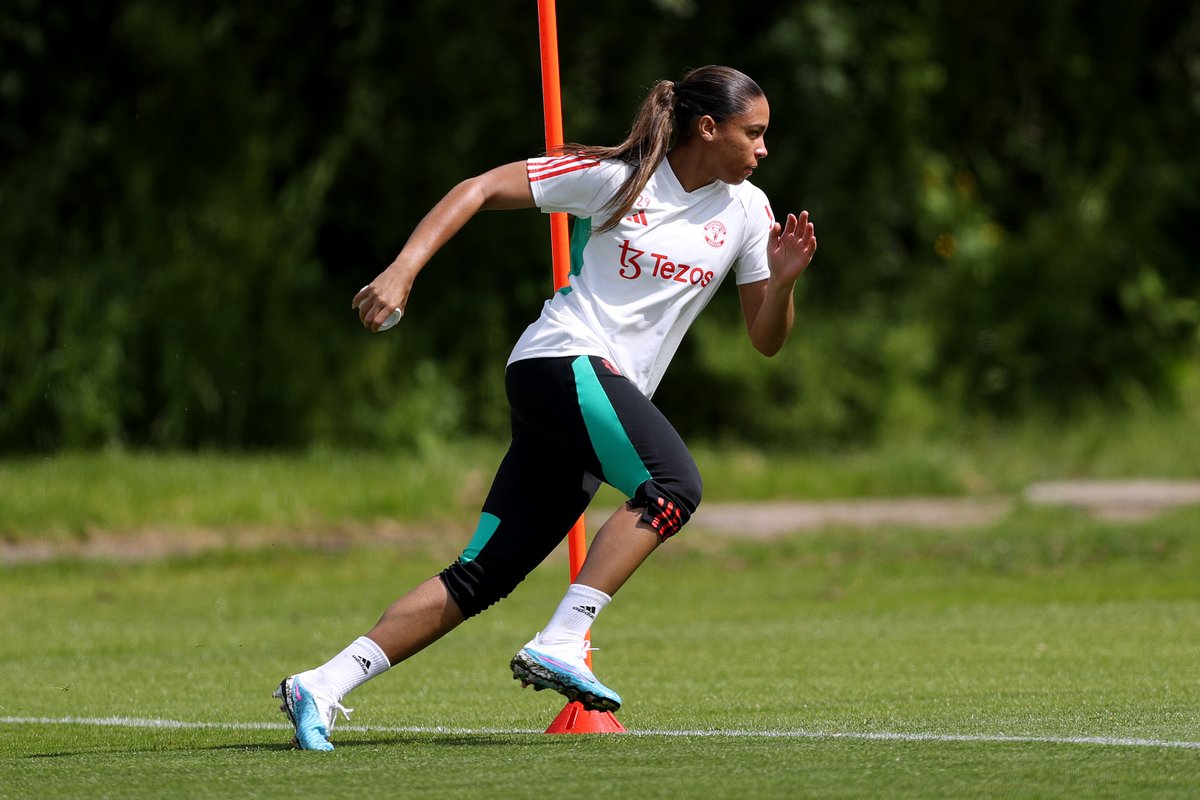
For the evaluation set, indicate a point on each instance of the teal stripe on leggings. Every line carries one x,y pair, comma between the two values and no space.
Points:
483,534
622,466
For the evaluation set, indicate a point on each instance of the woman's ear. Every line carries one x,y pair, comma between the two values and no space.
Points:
707,128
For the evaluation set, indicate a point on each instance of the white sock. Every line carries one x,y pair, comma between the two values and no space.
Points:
576,613
349,669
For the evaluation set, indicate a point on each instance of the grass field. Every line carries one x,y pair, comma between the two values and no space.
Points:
1046,656
71,496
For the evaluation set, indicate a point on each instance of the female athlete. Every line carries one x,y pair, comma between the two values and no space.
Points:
666,216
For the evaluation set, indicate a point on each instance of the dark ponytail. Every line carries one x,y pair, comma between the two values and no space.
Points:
667,116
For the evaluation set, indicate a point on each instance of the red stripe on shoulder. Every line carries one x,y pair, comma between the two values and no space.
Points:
563,165
555,162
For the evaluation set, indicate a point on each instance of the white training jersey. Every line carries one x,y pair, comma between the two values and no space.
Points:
642,284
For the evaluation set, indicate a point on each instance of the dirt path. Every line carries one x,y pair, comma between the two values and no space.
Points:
1106,500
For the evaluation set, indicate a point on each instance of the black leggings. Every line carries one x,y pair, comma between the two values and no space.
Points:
576,422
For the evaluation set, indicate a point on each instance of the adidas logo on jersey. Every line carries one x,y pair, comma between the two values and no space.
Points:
639,218
588,610
364,663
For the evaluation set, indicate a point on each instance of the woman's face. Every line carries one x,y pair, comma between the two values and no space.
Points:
739,142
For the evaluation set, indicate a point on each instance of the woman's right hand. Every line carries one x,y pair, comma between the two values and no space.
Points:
382,297
504,187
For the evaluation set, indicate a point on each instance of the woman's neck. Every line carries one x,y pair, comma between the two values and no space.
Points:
689,168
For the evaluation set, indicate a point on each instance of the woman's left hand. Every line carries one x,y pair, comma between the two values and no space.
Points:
791,247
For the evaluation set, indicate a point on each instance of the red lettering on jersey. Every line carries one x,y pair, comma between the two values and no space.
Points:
629,257
661,269
664,268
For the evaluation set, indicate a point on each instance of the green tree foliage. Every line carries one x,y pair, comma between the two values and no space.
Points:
191,193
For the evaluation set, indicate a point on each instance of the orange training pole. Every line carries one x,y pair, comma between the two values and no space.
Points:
573,718
560,246
552,110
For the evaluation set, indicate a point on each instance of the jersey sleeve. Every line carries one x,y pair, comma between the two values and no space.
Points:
574,184
752,258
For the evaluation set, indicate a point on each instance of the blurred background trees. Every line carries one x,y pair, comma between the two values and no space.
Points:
191,193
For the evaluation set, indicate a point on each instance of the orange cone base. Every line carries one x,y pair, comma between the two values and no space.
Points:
576,719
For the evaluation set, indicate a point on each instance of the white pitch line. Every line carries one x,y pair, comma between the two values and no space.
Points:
877,736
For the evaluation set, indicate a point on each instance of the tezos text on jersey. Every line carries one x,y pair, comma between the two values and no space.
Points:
663,267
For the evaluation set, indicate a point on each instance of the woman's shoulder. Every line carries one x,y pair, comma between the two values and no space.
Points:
578,165
579,161
747,192
748,198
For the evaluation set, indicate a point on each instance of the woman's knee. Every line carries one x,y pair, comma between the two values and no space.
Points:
668,503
